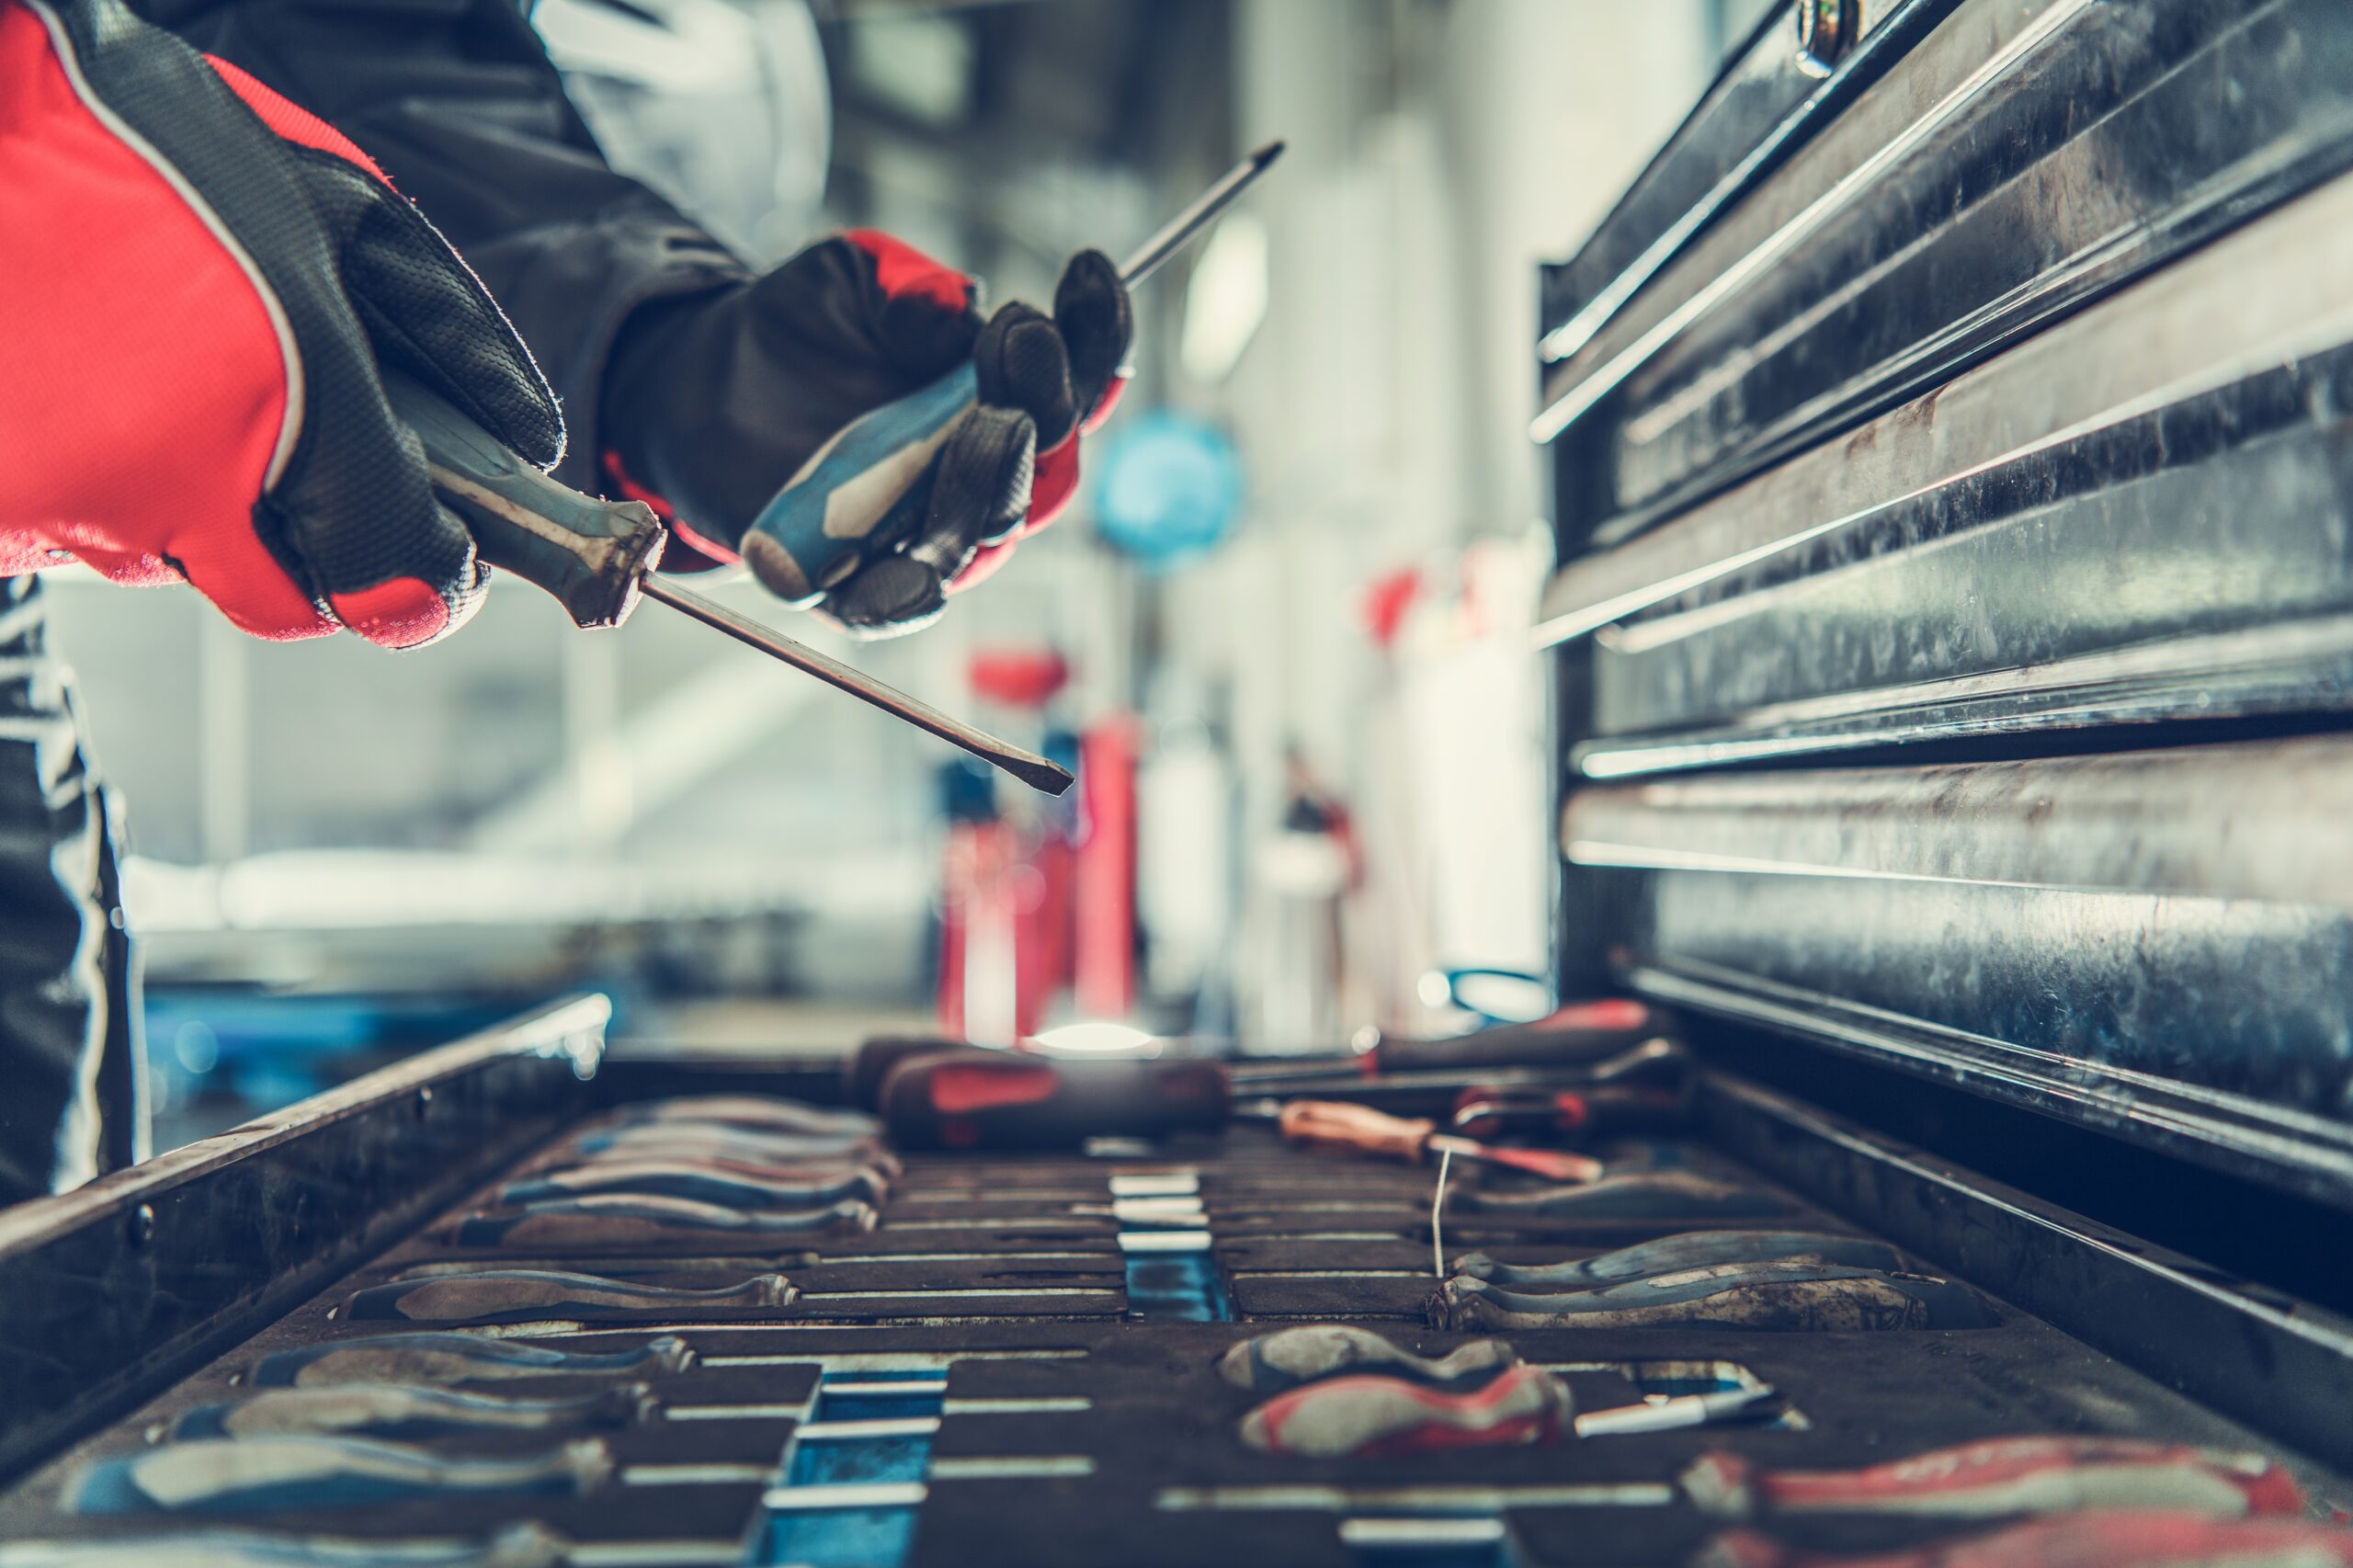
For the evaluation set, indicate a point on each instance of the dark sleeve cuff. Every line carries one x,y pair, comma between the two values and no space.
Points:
569,287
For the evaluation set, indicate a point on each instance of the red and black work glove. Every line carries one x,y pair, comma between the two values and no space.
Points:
199,283
714,402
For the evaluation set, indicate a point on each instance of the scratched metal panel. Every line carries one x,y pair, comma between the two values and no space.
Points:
2025,157
2158,943
2014,408
2145,513
1771,96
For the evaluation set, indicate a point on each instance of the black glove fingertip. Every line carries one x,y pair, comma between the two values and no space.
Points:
896,595
986,471
1020,362
426,313
1096,321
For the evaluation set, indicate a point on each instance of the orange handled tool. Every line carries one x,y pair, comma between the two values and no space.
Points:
1334,1124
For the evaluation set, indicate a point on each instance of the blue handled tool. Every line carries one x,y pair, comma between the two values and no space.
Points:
869,486
597,557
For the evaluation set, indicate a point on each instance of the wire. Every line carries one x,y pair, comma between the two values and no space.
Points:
1437,1207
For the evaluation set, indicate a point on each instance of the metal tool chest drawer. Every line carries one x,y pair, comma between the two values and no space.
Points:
1954,621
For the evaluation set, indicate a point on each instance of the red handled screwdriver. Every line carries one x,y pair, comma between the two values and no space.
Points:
1334,1124
967,1097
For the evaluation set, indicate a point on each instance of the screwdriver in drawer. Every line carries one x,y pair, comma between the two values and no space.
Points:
1589,1041
2114,1538
263,1474
2004,1476
451,1357
536,1295
968,1098
1355,1128
406,1413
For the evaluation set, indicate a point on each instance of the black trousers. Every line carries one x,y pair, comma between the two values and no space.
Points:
71,1063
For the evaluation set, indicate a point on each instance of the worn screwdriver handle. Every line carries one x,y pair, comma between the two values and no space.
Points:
1336,1124
1581,1032
530,1295
752,1113
1332,1124
266,1474
589,554
437,1357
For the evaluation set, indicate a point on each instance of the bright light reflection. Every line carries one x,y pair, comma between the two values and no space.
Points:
1095,1037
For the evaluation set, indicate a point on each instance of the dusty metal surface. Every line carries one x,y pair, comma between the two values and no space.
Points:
2283,1364
2192,561
2096,402
2156,943
2004,419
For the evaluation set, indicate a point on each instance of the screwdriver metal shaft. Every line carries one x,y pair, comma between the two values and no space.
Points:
1171,236
597,557
1027,765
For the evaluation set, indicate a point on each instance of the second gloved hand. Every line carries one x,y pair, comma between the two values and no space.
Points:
714,404
198,282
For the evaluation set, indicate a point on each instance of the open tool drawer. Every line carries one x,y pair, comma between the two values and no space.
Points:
999,1370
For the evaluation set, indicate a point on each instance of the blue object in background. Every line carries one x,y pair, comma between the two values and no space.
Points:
1493,995
1183,1286
1167,488
217,1056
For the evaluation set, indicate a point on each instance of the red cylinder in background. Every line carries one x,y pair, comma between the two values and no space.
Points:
1104,965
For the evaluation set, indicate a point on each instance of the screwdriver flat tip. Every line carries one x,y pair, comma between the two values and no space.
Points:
1036,771
1172,236
1049,778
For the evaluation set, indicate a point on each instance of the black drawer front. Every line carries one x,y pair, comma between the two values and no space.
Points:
1771,97
1955,623
2023,157
2138,514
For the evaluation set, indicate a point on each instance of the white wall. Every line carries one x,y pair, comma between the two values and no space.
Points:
1438,152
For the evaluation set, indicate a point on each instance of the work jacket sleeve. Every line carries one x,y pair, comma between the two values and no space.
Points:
460,104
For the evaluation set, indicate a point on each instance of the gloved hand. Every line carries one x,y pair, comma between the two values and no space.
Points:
712,402
204,278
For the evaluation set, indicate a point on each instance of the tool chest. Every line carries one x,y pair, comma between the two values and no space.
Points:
1020,1360
1951,648
1952,501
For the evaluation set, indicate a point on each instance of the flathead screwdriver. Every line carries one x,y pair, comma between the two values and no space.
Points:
596,558
599,557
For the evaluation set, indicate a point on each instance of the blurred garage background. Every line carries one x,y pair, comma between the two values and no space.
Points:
1284,630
